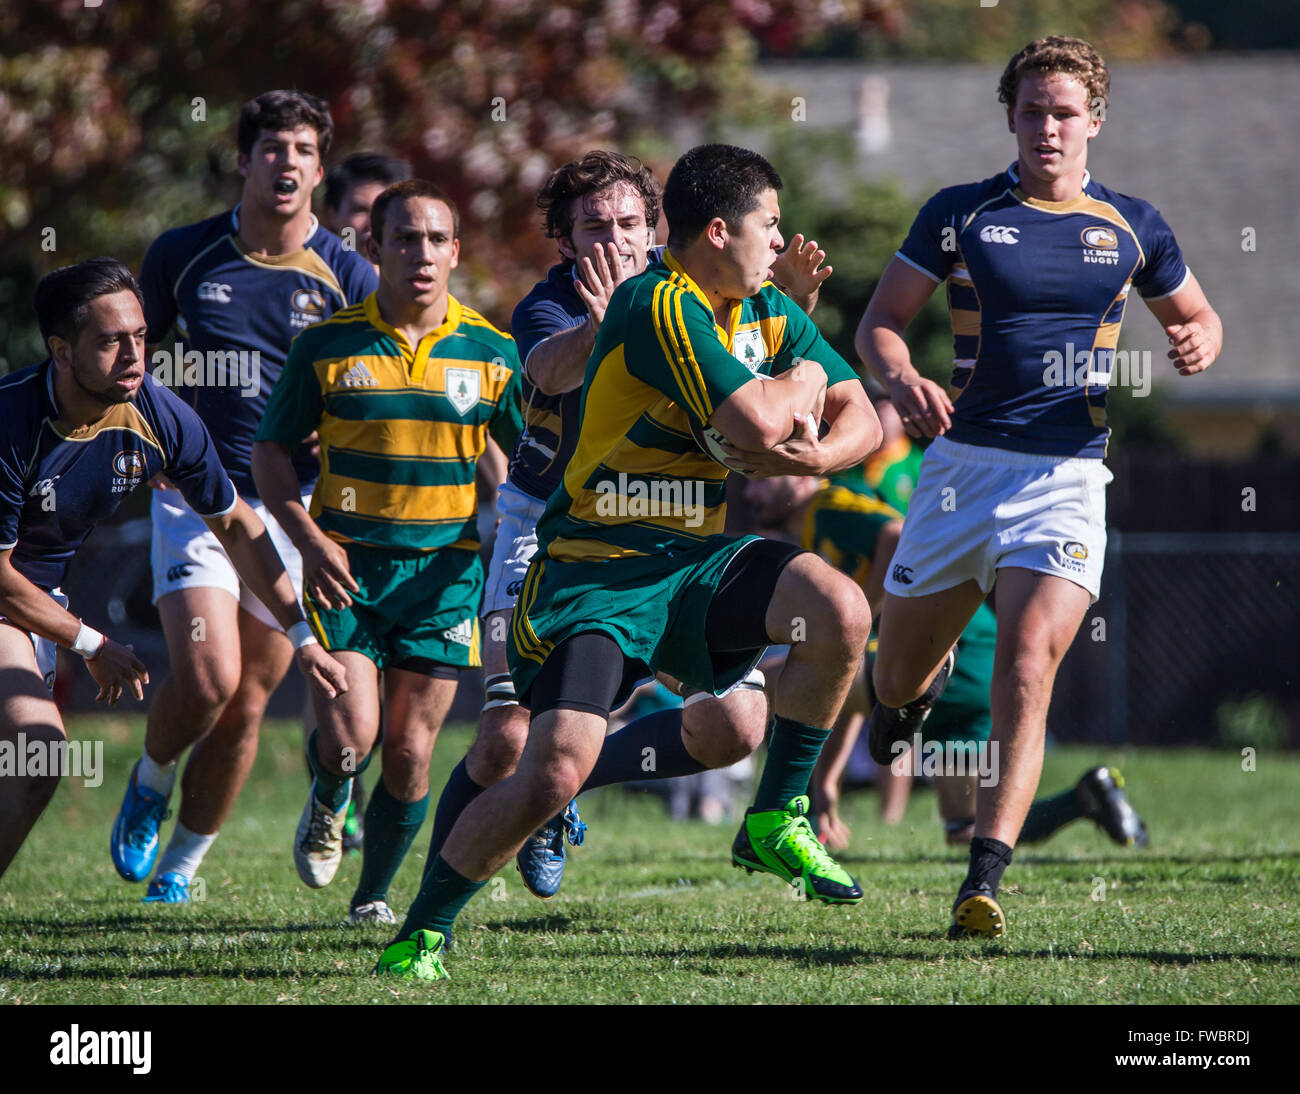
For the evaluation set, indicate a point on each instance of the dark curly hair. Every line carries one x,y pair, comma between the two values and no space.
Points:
596,171
280,110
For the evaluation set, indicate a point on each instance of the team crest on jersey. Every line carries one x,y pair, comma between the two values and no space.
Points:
1100,245
128,471
749,348
308,307
463,389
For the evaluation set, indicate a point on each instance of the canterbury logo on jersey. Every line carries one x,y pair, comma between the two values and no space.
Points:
999,233
358,376
214,290
462,633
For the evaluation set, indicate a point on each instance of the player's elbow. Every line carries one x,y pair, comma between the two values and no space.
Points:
758,430
544,378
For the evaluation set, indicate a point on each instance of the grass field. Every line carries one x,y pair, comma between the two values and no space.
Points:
653,912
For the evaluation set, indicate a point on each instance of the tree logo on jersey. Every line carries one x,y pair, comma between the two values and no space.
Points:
463,389
999,233
1100,245
749,349
128,471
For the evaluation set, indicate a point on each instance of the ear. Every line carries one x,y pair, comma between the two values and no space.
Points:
241,164
455,254
1011,120
566,248
371,248
716,232
60,351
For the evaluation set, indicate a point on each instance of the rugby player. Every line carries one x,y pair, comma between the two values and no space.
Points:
351,187
616,591
350,190
857,533
404,388
80,432
1039,261
238,287
602,211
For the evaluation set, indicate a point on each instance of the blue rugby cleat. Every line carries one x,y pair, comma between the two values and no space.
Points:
168,889
541,860
134,842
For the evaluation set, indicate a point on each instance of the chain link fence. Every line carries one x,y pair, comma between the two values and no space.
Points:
1193,633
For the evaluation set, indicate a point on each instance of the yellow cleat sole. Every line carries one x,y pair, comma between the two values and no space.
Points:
978,916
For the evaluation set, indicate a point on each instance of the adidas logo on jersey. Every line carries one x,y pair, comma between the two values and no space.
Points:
999,233
358,376
462,633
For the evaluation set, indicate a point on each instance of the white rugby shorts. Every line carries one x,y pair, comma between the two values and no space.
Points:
513,549
185,555
977,509
47,651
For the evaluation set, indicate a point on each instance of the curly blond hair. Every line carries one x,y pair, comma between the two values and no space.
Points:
1057,53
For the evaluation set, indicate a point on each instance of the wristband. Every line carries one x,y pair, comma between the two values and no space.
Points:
88,642
300,634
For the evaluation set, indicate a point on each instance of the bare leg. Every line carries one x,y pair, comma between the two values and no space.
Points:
220,762
561,751
26,708
1038,616
203,647
916,634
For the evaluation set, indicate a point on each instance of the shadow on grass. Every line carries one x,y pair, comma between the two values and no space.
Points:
10,971
146,924
1119,857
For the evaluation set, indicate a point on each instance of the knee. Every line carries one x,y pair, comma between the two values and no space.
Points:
895,685
207,685
499,744
1029,673
548,788
723,732
842,620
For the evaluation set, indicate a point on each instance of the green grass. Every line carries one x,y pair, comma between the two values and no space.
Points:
653,912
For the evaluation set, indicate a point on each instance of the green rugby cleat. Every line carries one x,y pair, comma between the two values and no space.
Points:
782,842
416,958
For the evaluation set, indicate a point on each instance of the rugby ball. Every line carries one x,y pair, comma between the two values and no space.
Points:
710,441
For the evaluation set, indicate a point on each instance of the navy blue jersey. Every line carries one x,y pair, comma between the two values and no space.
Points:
235,316
56,485
1036,293
550,421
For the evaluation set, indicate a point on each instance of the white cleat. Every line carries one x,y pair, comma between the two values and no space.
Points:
377,911
318,843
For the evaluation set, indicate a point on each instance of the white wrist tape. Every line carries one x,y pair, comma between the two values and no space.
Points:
300,634
88,642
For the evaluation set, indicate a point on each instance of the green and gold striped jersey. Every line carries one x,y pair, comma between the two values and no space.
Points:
638,483
842,525
401,427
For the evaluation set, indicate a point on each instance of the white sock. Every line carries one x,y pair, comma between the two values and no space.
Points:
184,853
160,778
